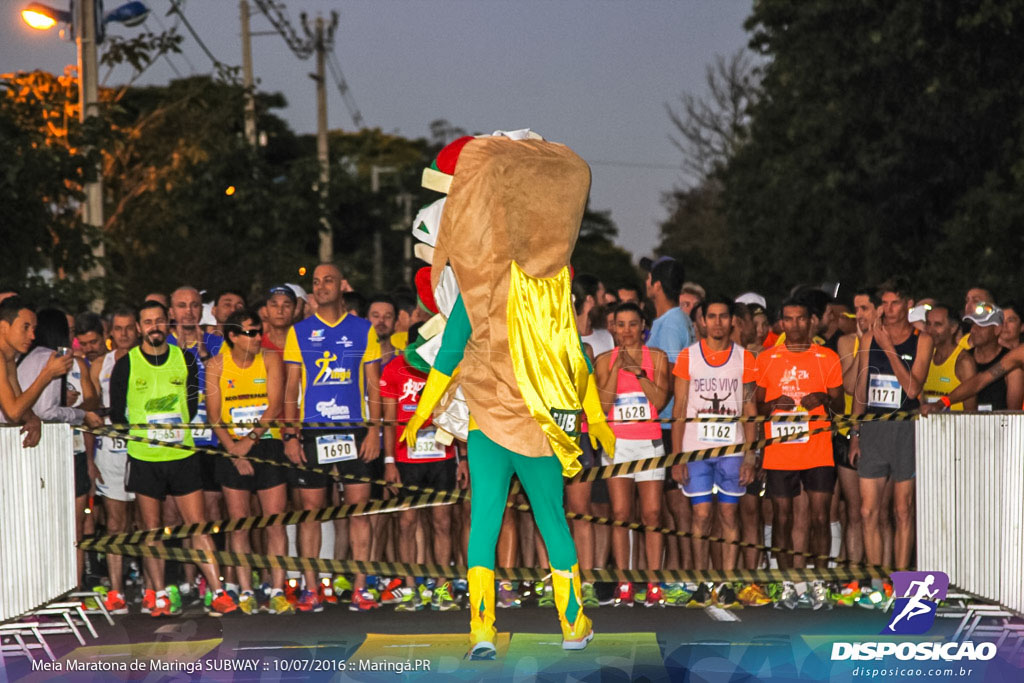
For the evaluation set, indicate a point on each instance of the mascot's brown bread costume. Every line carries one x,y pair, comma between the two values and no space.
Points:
508,227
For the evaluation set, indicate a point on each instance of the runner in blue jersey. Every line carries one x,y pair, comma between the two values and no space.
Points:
333,358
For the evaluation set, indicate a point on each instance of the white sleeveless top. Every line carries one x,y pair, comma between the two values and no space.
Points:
715,391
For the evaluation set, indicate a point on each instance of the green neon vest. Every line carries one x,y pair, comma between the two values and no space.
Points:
158,393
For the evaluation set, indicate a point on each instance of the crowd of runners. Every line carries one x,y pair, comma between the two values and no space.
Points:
662,350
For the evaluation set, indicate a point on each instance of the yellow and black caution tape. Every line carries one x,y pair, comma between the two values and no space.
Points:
302,564
896,416
326,514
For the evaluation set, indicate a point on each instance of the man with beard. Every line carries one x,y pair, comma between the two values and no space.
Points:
158,383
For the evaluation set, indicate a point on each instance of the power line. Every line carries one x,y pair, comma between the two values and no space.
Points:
176,9
344,90
636,164
174,29
275,13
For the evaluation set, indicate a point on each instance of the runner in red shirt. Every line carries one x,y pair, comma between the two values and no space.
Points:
431,464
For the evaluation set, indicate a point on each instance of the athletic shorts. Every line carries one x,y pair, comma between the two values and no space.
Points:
82,483
264,476
113,466
887,450
161,479
208,469
721,472
439,476
666,439
788,483
305,479
841,450
631,450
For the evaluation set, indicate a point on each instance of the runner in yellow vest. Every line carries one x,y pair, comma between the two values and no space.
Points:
950,366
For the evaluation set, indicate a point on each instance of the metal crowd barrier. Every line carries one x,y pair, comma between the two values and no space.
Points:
37,519
970,503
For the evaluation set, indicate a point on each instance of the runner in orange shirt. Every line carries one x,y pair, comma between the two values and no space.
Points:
794,378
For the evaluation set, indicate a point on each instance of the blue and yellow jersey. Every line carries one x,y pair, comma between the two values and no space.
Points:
332,358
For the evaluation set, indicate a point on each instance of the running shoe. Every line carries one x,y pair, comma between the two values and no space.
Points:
589,595
327,595
161,607
640,594
820,596
309,602
392,592
507,596
425,592
676,594
114,603
753,596
222,603
279,604
460,586
292,591
363,601
773,591
148,600
605,593
871,598
848,594
247,603
789,598
725,597
441,600
545,596
187,592
208,601
411,602
701,598
342,587
655,596
624,594
175,597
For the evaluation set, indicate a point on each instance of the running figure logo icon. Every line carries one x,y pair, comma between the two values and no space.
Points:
916,594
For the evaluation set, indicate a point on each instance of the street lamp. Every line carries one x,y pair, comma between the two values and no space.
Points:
87,22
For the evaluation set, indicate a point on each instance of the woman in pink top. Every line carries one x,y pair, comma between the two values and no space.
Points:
634,384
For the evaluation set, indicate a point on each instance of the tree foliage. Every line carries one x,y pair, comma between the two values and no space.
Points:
887,140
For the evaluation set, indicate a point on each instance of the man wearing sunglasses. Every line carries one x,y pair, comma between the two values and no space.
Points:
246,386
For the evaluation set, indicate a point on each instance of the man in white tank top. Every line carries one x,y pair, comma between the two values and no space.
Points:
714,378
112,454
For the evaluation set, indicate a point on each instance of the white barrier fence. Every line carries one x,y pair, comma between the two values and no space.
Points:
37,519
970,503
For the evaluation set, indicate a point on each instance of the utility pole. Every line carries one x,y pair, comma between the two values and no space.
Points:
326,233
87,42
406,200
247,78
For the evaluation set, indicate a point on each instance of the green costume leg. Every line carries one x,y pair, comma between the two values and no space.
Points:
490,471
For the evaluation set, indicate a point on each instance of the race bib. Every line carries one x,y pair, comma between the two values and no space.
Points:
786,428
984,407
247,415
632,407
716,432
426,447
164,434
884,391
114,445
336,448
204,434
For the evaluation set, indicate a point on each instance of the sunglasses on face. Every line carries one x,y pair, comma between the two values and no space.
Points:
252,333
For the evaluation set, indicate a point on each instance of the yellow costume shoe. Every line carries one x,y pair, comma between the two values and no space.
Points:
482,633
577,629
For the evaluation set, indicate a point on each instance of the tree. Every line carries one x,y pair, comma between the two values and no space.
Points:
888,140
597,254
709,130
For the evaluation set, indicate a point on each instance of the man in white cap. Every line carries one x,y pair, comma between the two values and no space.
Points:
303,307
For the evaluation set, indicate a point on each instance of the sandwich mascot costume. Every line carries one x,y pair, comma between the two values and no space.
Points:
507,368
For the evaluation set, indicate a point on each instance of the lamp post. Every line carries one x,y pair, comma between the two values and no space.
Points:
87,22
